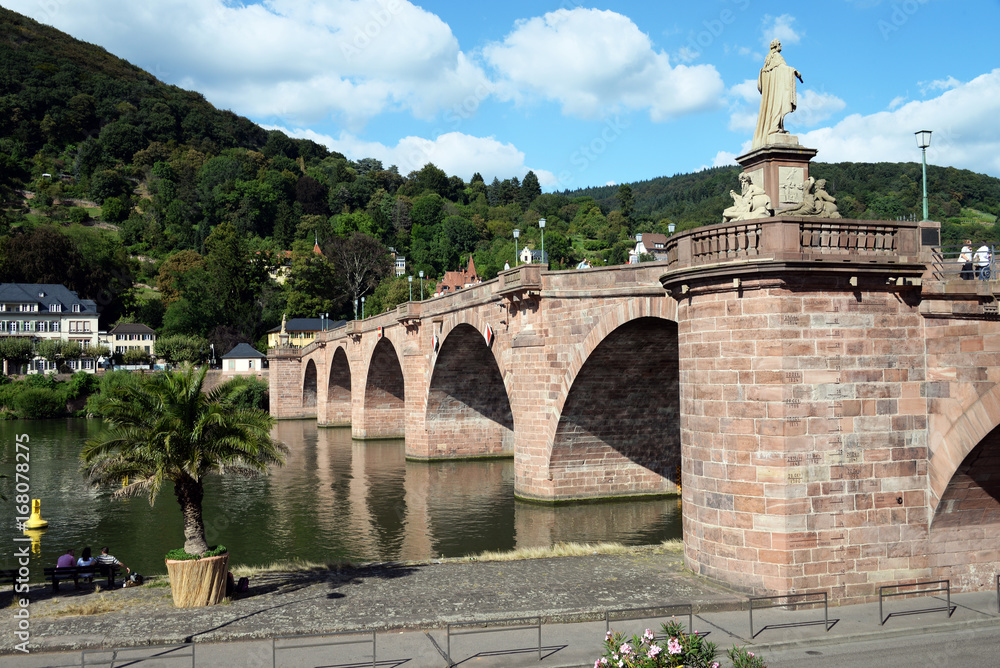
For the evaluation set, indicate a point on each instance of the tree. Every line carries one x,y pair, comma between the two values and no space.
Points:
135,356
530,189
163,428
626,201
180,348
314,286
360,261
16,351
174,266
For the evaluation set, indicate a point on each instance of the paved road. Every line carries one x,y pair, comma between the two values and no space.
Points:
968,647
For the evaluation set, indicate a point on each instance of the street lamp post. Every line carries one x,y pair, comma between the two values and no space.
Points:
671,227
409,279
517,233
541,226
421,285
923,141
362,308
355,309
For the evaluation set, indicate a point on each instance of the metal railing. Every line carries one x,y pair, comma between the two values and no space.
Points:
156,653
757,599
977,263
509,624
331,643
630,614
945,588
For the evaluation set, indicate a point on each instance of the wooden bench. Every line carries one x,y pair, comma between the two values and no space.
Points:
9,576
74,573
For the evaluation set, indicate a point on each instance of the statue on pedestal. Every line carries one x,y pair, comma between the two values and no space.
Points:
776,83
752,202
816,201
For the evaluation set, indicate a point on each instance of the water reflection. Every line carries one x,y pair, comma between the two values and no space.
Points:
334,499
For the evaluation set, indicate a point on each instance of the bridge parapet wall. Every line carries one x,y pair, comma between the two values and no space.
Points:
791,238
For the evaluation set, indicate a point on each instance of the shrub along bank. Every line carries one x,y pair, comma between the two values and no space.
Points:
40,396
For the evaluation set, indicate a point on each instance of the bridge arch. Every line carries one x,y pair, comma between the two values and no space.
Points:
966,458
468,410
634,448
384,397
309,385
338,392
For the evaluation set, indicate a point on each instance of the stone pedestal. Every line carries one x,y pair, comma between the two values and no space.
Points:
781,168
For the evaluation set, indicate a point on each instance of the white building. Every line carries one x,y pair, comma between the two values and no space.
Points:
648,243
49,311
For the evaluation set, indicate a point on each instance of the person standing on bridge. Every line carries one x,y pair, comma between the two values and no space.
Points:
983,263
965,259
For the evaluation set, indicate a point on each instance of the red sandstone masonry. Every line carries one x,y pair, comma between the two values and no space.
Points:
806,412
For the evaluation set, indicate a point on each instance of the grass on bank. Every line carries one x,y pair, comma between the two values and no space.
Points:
558,550
96,605
571,550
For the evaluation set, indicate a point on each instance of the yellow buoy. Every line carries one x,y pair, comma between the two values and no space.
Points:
36,521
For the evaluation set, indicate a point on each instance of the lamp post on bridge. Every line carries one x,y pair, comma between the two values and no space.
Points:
923,141
541,226
355,309
409,279
517,233
362,308
421,285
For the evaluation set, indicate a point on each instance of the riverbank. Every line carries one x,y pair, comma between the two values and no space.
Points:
416,595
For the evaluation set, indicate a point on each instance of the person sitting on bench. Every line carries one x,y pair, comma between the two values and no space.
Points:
86,561
106,562
68,560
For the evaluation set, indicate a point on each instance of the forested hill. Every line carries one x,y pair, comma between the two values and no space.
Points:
168,211
876,191
57,92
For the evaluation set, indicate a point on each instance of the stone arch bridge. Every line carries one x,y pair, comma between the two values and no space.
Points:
824,394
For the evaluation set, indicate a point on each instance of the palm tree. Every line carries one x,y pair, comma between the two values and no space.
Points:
164,428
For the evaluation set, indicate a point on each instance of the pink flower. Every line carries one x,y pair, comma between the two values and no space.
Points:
715,665
625,649
608,635
648,635
654,651
673,646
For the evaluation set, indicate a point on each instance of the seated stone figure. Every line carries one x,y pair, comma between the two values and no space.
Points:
751,203
816,201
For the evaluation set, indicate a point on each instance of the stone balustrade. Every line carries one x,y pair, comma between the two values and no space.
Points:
788,238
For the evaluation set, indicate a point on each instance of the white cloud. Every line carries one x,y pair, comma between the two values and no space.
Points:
928,87
897,101
456,153
595,63
296,60
814,108
724,159
963,120
781,28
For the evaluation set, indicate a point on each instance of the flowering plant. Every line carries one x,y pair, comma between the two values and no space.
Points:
644,651
741,658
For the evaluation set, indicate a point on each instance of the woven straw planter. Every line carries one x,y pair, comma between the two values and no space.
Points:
196,583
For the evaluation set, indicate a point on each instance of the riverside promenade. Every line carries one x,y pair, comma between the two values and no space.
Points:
409,606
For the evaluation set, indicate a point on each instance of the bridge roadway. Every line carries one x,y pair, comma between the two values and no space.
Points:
826,391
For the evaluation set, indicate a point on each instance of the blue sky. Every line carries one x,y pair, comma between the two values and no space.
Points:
582,94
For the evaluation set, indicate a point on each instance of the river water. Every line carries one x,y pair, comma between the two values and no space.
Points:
335,499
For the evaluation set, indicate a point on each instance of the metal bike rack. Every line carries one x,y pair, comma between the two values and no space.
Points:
826,609
330,643
945,587
509,624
